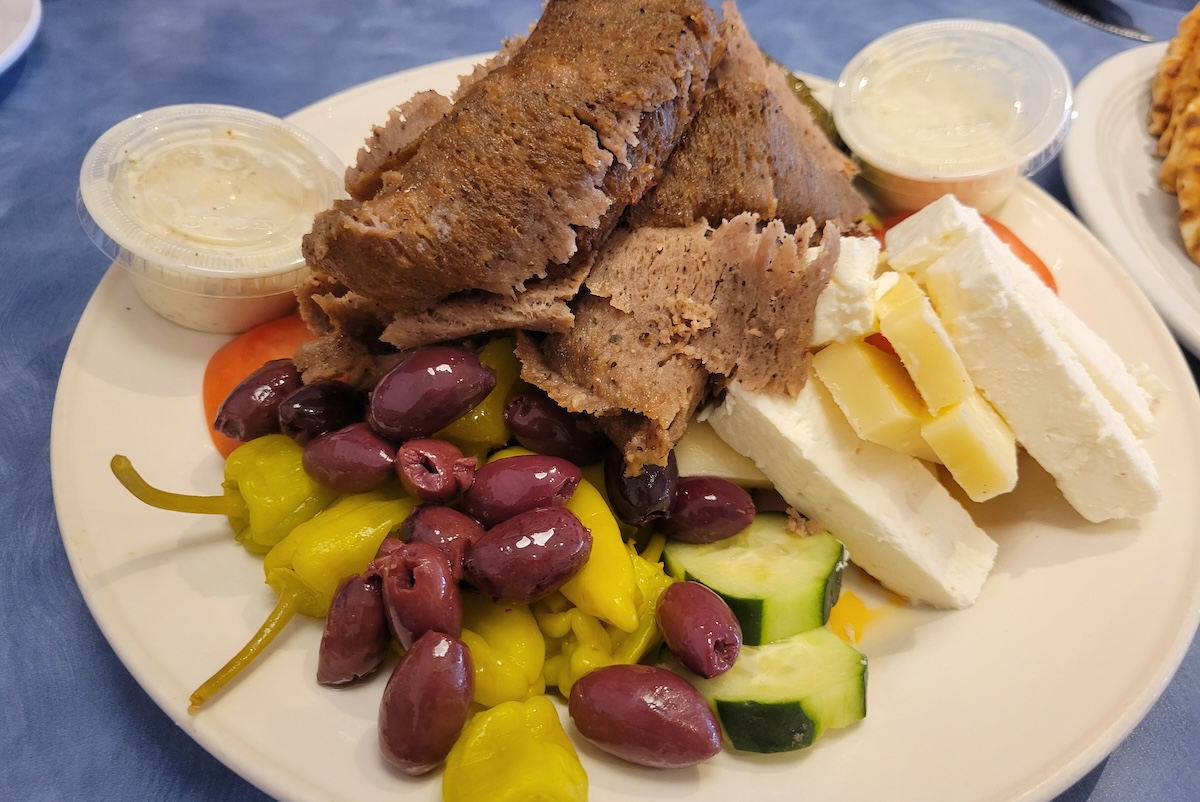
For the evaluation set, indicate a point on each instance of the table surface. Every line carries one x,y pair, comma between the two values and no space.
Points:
73,722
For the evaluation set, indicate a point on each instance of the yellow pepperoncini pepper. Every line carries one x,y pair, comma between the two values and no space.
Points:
482,429
651,580
507,649
269,474
306,567
338,543
606,586
515,752
266,492
578,643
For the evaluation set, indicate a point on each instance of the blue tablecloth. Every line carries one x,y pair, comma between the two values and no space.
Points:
73,722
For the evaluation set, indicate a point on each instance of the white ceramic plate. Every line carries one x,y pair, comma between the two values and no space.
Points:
19,21
1077,632
1111,173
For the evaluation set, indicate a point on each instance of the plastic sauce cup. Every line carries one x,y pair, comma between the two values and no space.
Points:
205,206
952,106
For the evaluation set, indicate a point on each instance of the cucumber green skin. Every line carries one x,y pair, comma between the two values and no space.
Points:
801,601
766,727
783,696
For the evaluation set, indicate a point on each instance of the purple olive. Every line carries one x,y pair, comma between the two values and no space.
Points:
420,593
707,509
434,470
699,628
319,408
541,425
427,390
505,487
445,527
353,459
426,703
646,715
647,496
528,556
252,407
356,635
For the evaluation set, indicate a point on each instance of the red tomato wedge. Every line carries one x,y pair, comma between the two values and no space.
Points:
1019,248
241,356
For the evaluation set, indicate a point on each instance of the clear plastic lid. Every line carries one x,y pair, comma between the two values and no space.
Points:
954,98
207,199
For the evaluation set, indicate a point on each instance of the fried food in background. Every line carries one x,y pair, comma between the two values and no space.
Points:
1174,118
1175,80
1187,140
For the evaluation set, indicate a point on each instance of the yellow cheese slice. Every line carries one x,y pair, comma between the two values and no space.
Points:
976,446
917,335
876,395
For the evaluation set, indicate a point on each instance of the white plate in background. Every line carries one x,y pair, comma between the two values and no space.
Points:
1111,173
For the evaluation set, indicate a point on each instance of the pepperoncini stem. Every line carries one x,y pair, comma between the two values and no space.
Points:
229,504
287,606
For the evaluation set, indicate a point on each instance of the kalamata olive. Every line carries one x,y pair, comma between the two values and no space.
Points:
646,497
707,509
354,459
426,703
420,593
528,556
319,408
699,628
356,636
426,390
646,715
434,470
541,425
508,486
445,527
252,407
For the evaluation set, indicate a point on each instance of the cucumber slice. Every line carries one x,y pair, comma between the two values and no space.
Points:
783,696
777,583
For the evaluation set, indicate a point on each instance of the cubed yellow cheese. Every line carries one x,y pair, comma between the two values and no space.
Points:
916,333
876,395
976,446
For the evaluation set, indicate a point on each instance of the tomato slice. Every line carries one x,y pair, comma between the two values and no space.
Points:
1019,248
241,356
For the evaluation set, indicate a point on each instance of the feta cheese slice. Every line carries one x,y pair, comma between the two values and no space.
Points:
1119,385
920,239
896,519
1032,376
846,307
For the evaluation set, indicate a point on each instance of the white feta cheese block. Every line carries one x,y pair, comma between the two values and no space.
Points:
920,239
1119,385
895,518
1030,373
846,307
